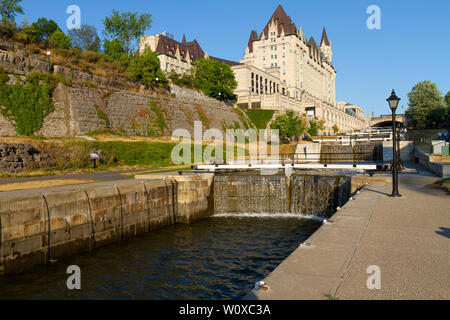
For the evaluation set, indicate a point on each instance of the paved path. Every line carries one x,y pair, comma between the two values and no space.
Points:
98,176
408,238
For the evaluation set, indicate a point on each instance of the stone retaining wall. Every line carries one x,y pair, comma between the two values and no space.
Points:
15,158
93,101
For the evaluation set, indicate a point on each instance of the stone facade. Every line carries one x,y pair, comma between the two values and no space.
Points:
284,70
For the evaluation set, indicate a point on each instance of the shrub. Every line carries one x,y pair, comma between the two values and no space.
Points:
60,40
145,68
27,104
313,129
289,125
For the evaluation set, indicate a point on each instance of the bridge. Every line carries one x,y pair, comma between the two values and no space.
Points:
386,121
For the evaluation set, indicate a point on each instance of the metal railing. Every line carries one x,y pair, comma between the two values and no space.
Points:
304,158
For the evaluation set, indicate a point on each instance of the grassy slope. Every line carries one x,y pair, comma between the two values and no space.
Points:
260,118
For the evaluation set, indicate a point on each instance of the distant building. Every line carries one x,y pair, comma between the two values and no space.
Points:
176,56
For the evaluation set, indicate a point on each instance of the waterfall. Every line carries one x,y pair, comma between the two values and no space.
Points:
301,194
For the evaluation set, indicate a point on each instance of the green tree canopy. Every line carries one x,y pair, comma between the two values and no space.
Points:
9,9
215,79
426,105
185,80
289,125
44,28
335,129
60,40
447,98
127,27
85,38
313,129
145,68
115,50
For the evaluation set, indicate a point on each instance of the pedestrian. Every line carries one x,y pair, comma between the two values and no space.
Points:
440,136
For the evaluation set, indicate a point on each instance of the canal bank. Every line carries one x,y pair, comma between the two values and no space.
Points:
45,225
407,238
42,226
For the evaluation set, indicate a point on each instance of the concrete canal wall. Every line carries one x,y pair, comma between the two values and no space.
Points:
39,228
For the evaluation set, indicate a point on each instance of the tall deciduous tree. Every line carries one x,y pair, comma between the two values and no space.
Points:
289,125
215,79
447,98
85,38
9,9
127,27
427,108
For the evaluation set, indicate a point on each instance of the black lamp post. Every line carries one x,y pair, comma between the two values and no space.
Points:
393,101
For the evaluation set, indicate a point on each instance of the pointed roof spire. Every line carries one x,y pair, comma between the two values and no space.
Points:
184,39
324,38
300,32
253,37
283,21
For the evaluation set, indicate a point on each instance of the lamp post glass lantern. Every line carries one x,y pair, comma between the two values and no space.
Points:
393,101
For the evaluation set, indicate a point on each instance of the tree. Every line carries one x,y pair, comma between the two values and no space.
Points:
183,80
44,28
145,68
215,79
321,125
9,9
115,50
313,129
426,105
27,33
127,27
288,125
447,98
85,38
60,40
335,129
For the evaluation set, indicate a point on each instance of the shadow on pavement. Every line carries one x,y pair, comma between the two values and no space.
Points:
445,232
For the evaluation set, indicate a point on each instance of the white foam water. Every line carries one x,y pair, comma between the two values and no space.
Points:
268,216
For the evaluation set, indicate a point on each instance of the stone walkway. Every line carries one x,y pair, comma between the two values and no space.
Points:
408,238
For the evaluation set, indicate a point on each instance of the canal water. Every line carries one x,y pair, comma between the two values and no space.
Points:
216,258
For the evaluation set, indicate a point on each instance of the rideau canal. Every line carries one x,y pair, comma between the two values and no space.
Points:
216,258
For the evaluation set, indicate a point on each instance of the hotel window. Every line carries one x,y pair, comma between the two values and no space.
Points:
261,84
253,82
265,86
257,88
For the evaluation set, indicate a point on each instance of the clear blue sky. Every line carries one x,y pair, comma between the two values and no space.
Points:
413,44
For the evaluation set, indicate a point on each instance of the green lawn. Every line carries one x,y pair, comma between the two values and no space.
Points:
260,118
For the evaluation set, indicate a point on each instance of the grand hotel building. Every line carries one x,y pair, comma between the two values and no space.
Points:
281,70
